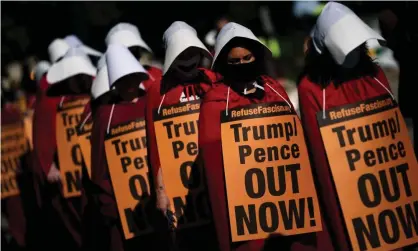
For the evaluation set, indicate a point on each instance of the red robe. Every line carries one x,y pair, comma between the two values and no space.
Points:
113,238
12,206
310,98
196,238
211,147
63,215
89,219
30,187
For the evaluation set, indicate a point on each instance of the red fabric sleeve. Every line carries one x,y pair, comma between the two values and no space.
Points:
44,139
151,99
310,104
210,149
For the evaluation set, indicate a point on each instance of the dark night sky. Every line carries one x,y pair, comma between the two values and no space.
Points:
44,21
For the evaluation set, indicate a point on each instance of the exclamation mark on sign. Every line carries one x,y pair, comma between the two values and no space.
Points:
311,211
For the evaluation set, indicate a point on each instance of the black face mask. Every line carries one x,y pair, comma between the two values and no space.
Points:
187,69
242,72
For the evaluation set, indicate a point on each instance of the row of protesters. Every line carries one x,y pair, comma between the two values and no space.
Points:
213,156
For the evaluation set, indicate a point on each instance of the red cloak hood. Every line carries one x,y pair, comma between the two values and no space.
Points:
44,141
155,76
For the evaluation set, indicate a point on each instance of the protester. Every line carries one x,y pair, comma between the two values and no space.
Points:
28,177
43,155
182,84
338,72
125,73
11,203
239,59
129,155
70,77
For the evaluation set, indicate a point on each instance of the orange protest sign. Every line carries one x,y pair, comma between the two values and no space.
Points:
176,130
69,152
374,169
27,121
126,153
83,136
268,178
13,147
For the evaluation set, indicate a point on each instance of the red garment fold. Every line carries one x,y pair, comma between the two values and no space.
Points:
100,176
61,213
203,237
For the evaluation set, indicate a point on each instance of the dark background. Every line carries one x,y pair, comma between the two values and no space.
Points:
28,27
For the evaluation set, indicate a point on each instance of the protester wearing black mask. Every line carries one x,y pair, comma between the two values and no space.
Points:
239,59
241,63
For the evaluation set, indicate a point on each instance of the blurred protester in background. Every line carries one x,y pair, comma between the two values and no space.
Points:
182,83
239,60
338,71
210,37
74,42
70,75
28,178
11,203
43,129
15,75
70,79
384,57
21,90
283,73
128,104
398,22
303,9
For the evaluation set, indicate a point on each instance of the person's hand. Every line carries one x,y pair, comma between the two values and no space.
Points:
54,174
163,202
